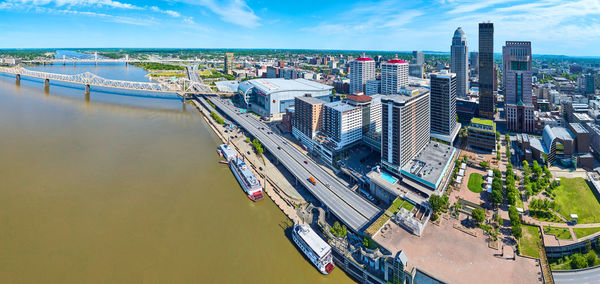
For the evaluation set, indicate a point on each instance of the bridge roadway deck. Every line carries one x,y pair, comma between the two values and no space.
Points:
351,209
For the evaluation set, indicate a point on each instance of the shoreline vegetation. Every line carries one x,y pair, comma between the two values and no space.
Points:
154,66
166,74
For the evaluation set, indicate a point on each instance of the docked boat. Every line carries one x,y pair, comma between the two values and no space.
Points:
316,249
250,184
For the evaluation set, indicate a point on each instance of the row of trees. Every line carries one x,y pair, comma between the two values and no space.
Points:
512,193
497,192
515,222
507,140
257,147
217,118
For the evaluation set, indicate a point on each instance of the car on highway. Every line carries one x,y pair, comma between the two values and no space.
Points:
248,152
260,168
278,148
306,162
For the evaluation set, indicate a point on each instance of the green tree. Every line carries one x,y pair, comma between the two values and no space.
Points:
591,258
484,165
517,231
497,196
578,261
497,173
478,215
438,202
498,136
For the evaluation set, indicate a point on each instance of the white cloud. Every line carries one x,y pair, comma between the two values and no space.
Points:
369,18
232,11
80,3
471,6
189,21
167,12
105,17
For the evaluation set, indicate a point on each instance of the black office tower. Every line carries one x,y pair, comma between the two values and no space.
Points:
486,70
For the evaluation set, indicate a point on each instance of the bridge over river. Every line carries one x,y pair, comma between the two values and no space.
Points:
179,86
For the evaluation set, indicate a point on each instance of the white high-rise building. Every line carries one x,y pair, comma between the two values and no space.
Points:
394,76
405,128
342,123
362,70
459,54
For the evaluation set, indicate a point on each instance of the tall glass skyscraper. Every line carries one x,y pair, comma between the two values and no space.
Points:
486,70
459,52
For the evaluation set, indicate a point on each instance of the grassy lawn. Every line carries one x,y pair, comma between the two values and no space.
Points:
575,196
560,233
408,206
475,182
394,208
582,232
529,242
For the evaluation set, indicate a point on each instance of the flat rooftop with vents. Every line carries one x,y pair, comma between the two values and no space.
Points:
426,171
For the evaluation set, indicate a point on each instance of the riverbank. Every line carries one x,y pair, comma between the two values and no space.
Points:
273,180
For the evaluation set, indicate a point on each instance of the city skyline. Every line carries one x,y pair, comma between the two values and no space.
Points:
568,28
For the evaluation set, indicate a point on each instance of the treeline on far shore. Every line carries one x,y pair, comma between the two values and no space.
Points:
158,66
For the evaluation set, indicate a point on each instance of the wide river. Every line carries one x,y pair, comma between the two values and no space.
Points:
122,187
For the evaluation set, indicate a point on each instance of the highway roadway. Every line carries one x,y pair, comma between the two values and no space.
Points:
578,277
353,210
192,72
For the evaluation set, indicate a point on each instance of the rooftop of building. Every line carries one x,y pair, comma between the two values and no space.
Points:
443,74
311,100
430,165
406,95
396,60
359,98
340,106
583,116
593,127
563,133
487,124
363,59
280,85
578,128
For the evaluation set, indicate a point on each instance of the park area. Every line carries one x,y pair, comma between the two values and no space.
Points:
574,196
560,233
528,244
475,182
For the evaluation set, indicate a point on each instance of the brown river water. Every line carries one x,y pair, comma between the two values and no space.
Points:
123,187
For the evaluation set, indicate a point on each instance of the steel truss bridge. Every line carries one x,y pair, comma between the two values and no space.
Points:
180,86
106,60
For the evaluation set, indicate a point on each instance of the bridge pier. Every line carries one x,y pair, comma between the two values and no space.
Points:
46,83
18,79
87,89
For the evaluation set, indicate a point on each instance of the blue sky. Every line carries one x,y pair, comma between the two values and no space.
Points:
553,26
